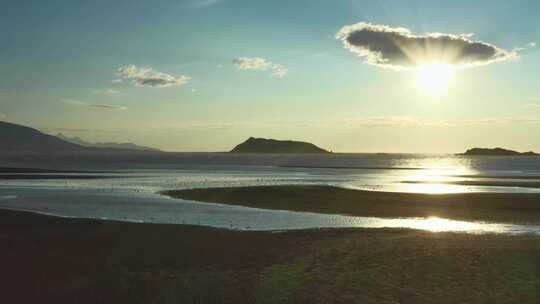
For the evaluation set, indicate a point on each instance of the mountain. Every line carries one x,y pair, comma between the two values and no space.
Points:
262,145
108,145
497,152
15,137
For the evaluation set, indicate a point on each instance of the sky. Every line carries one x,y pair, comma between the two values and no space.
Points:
204,75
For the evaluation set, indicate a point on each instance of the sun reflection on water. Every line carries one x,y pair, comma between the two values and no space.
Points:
436,179
436,224
431,188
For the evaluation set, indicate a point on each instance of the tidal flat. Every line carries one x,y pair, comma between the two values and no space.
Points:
61,260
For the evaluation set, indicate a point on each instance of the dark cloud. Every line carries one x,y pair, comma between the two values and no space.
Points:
399,48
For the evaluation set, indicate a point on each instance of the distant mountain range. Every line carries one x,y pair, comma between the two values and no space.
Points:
263,145
108,145
20,138
497,152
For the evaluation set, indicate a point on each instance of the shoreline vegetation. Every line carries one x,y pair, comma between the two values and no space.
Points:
60,260
496,207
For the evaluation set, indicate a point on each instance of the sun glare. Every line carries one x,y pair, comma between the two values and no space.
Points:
434,78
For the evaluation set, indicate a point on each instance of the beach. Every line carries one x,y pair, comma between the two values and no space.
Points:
60,260
120,241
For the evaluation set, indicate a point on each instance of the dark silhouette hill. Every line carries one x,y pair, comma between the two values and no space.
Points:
263,145
106,145
15,137
497,152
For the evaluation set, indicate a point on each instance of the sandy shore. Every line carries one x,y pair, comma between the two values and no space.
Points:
55,260
508,208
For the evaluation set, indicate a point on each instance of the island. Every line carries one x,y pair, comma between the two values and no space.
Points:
496,152
263,145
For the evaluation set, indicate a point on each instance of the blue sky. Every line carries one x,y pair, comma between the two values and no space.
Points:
61,61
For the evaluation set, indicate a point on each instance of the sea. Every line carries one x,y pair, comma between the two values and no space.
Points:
126,187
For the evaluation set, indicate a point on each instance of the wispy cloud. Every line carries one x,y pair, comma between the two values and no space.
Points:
205,3
359,122
384,121
532,106
527,46
393,121
105,106
148,77
399,48
92,105
106,91
260,64
214,126
77,130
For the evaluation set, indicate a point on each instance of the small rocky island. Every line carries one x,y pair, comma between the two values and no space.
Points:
263,145
497,152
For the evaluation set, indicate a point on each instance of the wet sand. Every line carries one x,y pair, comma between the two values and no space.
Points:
497,207
56,260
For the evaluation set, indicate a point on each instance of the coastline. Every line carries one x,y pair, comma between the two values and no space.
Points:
491,207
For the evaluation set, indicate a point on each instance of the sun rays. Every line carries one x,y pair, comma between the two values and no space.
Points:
434,78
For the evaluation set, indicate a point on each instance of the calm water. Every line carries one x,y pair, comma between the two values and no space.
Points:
131,196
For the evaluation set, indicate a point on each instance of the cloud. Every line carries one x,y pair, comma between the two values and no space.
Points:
398,48
205,3
383,121
148,77
106,91
260,64
83,130
502,120
215,125
527,46
532,106
408,121
92,105
105,106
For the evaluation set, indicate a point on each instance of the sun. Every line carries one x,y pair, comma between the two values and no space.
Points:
434,78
